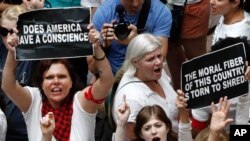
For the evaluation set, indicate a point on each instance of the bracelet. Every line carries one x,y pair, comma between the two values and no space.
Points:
99,59
89,96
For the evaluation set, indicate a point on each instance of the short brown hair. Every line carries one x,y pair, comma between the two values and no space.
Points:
144,116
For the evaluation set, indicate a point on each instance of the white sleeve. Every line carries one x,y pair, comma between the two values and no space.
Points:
202,114
242,109
184,133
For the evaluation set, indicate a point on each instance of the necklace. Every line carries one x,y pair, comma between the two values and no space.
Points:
234,18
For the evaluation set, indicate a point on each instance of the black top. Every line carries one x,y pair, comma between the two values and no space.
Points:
12,1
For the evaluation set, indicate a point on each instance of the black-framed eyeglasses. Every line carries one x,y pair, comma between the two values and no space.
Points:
4,31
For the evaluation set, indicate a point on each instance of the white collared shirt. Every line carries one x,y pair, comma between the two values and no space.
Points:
139,95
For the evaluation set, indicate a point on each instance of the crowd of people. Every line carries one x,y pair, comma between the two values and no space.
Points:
53,99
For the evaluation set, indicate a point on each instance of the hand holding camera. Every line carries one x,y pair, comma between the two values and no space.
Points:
121,27
123,30
133,33
120,30
107,34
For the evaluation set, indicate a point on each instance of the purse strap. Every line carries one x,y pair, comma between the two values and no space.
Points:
110,101
143,16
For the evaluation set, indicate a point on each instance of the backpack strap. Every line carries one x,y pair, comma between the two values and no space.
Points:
143,16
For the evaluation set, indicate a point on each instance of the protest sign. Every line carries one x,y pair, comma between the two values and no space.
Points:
53,33
217,74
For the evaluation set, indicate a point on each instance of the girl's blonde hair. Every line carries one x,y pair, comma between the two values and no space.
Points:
12,12
203,135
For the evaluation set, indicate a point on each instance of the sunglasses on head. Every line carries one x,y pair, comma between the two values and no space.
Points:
4,31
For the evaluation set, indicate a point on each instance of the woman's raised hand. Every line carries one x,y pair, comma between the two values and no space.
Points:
123,113
219,117
181,103
94,36
47,124
11,40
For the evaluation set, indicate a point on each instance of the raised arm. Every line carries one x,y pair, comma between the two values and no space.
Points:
90,98
122,118
19,95
219,119
47,125
185,128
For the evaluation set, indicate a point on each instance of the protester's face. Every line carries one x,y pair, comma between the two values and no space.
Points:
154,130
9,25
221,7
56,83
132,6
150,66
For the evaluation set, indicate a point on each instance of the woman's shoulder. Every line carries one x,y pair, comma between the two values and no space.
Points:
131,90
32,90
132,87
129,81
165,76
35,93
247,17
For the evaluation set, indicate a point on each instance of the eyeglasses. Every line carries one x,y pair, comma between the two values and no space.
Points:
4,31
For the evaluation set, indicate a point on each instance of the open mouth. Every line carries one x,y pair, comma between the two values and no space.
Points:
157,70
213,9
56,90
156,139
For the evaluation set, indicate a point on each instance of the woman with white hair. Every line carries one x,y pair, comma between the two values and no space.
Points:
145,82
